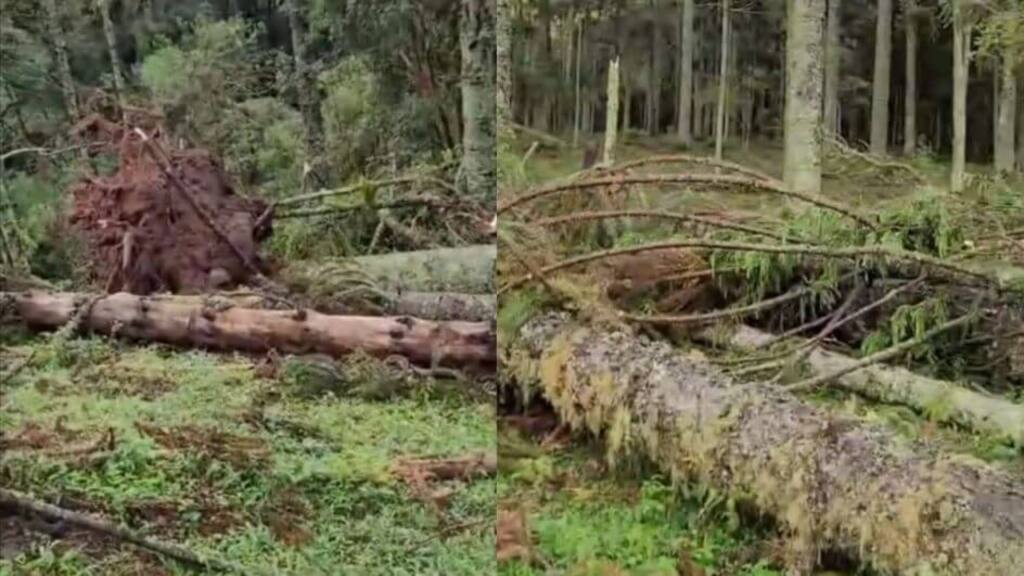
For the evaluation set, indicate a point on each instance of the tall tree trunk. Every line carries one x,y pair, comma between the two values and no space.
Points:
476,35
115,60
309,94
1020,129
686,74
961,64
804,31
832,66
503,54
910,97
611,128
880,84
579,59
723,82
60,57
1005,148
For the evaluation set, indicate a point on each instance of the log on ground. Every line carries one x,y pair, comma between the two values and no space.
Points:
943,401
468,269
833,483
188,322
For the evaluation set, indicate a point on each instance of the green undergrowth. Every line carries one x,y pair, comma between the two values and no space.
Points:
587,519
232,459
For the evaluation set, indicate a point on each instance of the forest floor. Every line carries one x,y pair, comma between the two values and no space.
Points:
589,520
215,454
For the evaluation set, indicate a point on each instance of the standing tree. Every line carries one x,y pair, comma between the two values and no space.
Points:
804,32
962,27
60,57
880,83
309,94
723,81
611,128
833,62
476,37
503,55
910,88
1002,36
103,7
686,73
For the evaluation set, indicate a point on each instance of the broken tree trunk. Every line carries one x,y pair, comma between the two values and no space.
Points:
944,401
833,483
468,269
186,322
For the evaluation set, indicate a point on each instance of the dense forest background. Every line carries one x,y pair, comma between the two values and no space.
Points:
888,68
292,96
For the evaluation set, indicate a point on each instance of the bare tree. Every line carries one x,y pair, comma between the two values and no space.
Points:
611,129
723,83
1005,149
309,95
910,88
832,66
60,57
961,61
476,37
685,126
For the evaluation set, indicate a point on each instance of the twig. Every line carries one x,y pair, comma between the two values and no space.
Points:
28,504
757,184
602,215
370,184
887,354
836,320
803,249
424,201
876,162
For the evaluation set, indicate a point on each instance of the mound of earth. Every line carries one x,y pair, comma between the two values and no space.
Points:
143,233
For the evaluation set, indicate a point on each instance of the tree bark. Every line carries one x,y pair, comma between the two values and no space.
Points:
184,322
60,57
467,269
476,37
686,74
961,63
723,81
611,128
804,21
833,63
833,483
910,97
115,60
880,83
1005,149
309,93
944,401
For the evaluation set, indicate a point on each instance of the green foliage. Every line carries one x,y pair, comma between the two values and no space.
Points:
353,114
923,225
517,309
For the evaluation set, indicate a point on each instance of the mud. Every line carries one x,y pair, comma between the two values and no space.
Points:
142,233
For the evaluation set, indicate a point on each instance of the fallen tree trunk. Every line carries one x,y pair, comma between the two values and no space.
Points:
468,269
188,322
833,483
944,401
425,305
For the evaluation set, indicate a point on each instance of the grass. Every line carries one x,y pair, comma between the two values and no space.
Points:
199,449
586,519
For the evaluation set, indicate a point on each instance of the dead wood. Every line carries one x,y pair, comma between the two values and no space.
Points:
739,183
943,401
29,505
832,482
463,345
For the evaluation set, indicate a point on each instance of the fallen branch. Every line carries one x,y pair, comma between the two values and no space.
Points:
802,249
742,182
700,160
720,314
887,354
28,505
832,483
876,162
186,322
446,469
655,214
